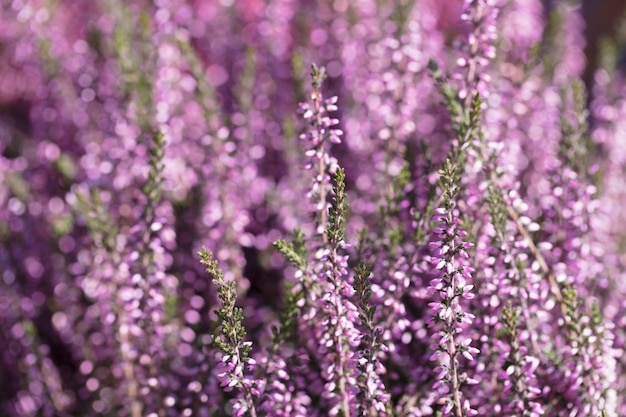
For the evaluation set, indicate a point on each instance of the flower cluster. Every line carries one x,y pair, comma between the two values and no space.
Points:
322,132
480,48
452,286
235,360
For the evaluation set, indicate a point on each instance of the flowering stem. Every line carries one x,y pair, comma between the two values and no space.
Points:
451,284
318,75
103,231
450,329
335,235
554,287
229,338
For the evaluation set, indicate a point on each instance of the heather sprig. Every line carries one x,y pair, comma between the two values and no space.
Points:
320,134
562,43
325,282
227,163
575,145
453,274
465,113
395,205
512,279
372,397
109,300
99,223
479,48
520,373
135,61
450,287
32,359
340,332
487,151
282,397
236,363
500,275
152,190
295,252
148,269
336,227
588,362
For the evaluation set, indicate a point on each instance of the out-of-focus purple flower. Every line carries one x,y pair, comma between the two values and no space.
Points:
478,50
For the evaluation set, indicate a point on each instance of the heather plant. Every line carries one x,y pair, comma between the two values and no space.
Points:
426,223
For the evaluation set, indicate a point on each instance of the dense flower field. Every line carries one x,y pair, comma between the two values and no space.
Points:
309,208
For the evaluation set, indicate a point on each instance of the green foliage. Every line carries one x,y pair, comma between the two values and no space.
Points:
318,75
102,228
230,333
288,316
465,119
244,90
50,65
509,319
576,145
136,59
572,303
393,232
336,227
363,293
207,97
62,226
498,215
449,180
363,246
448,91
19,187
152,189
297,69
401,15
66,166
294,252
611,47
548,47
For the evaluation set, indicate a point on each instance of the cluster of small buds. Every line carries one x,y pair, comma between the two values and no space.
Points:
373,397
323,124
282,398
234,371
585,375
236,366
372,387
519,375
479,49
320,133
339,338
451,285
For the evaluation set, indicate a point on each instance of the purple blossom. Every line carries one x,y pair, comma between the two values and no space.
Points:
478,49
449,288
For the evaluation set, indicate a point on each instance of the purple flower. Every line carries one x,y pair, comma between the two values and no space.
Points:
450,287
